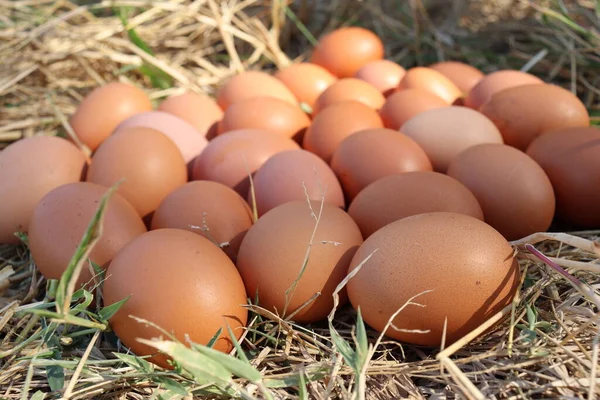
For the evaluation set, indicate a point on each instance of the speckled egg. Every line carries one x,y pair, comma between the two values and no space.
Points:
456,270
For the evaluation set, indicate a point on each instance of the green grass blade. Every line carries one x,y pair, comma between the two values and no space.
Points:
204,369
107,312
215,337
39,395
238,348
68,280
135,362
344,348
362,342
237,367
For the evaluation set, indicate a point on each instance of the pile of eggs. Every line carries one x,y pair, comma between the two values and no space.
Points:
285,183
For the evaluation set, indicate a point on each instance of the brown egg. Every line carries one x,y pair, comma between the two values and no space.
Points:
60,220
149,162
187,138
104,108
432,81
306,81
345,50
495,82
273,253
385,75
266,113
207,208
394,197
29,169
350,89
525,112
515,194
180,282
337,122
368,155
401,106
250,84
445,132
295,175
571,159
462,270
199,110
464,76
231,157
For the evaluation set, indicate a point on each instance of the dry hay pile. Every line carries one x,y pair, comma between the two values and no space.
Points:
52,53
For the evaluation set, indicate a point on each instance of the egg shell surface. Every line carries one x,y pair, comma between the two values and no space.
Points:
395,197
149,163
274,249
571,159
402,105
206,208
495,82
199,110
250,84
306,81
29,169
514,192
525,112
443,133
179,281
457,267
350,89
61,218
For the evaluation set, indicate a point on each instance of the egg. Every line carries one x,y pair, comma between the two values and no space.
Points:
232,157
207,208
462,270
266,113
495,82
306,81
384,75
525,112
60,220
401,106
445,132
149,163
368,155
250,84
198,110
514,192
187,138
29,169
294,175
179,281
432,81
345,50
350,89
273,252
104,108
338,121
398,196
571,159
464,76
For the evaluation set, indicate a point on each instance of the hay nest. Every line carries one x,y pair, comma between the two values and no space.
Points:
52,53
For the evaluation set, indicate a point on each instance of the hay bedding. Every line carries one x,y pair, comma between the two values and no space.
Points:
54,52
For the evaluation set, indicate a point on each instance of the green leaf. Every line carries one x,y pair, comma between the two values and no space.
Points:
531,317
39,395
240,352
68,280
302,392
107,312
172,386
344,348
238,367
88,298
56,377
138,363
362,342
214,339
204,369
158,77
86,323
